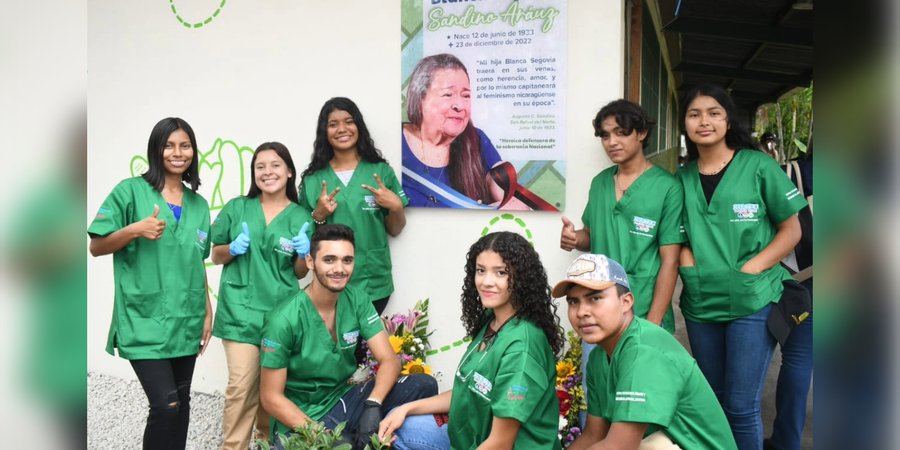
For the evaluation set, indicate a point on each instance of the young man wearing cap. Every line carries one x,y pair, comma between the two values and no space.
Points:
309,344
644,390
633,212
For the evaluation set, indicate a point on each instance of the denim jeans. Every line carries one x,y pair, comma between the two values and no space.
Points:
794,379
408,388
421,433
734,357
167,383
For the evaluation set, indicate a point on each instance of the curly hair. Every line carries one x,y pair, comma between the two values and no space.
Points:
322,150
528,286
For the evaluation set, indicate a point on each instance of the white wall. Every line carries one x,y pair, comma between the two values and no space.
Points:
260,71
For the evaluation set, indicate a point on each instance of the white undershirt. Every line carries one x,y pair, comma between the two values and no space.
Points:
345,176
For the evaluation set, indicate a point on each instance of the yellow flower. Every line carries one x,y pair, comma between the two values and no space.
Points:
564,369
396,343
416,366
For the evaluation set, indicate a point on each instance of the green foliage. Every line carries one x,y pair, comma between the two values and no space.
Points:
791,120
314,436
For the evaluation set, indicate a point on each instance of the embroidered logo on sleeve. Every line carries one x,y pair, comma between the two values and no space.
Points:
792,193
516,392
372,319
102,212
267,345
631,396
643,226
481,385
745,212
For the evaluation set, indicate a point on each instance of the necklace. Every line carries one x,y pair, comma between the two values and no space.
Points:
647,167
716,171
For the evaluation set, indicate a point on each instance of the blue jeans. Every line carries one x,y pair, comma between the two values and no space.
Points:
794,379
350,406
421,433
734,357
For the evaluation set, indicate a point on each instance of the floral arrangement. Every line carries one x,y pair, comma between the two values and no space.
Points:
569,390
408,334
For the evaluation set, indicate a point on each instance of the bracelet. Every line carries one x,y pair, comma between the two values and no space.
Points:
317,221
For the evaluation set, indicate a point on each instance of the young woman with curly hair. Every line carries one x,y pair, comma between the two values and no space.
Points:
348,182
507,375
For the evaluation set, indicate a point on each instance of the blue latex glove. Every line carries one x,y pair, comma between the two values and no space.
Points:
301,241
241,243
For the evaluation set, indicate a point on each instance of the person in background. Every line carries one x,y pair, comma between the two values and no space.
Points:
348,182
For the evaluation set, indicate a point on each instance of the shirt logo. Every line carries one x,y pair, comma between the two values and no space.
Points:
201,237
351,337
481,384
516,392
285,246
102,212
630,396
370,202
267,345
745,212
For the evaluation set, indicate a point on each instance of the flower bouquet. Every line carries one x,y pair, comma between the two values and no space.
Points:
408,334
569,390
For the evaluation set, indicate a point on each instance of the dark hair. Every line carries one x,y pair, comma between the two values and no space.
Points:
330,232
630,117
529,290
621,290
156,173
322,150
282,151
736,137
466,169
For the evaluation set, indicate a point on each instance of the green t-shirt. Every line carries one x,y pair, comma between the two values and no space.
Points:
296,338
514,377
652,379
753,196
160,300
253,283
632,230
357,209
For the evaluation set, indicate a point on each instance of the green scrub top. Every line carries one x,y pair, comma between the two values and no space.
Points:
514,377
160,300
753,196
296,338
254,282
652,379
357,209
631,230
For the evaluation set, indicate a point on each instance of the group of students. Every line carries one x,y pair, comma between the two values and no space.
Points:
291,351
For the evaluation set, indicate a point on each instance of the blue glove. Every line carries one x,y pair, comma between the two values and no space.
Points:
241,243
301,241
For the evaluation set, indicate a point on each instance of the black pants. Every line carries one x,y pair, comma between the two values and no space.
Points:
167,383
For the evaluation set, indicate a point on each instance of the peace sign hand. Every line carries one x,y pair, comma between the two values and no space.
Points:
326,203
384,197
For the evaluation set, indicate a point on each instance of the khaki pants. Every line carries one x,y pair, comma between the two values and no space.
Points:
658,441
242,406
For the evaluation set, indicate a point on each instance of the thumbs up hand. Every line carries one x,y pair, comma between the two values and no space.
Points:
301,241
568,238
241,243
151,227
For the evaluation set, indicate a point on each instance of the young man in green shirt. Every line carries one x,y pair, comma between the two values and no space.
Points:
644,390
309,344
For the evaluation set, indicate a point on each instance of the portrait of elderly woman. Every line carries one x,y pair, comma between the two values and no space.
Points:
447,161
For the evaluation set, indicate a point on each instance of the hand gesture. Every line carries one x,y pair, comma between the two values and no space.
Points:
384,197
568,238
301,241
151,227
241,243
327,204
